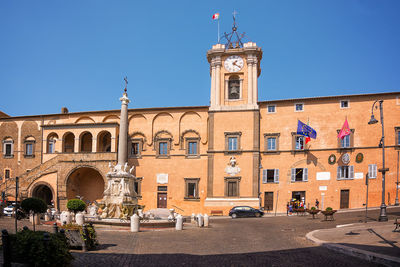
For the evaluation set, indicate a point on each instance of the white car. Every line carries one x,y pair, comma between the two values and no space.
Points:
9,210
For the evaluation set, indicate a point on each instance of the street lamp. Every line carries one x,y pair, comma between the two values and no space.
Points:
382,216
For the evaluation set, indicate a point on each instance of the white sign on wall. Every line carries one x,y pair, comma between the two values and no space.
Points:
358,175
323,176
323,188
162,178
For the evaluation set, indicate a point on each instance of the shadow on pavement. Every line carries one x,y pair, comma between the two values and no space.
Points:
312,256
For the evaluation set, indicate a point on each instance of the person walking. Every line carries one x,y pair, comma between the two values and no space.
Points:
317,203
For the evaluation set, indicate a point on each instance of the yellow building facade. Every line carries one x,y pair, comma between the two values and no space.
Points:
236,151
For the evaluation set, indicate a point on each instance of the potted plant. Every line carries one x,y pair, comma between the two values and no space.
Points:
76,205
328,213
313,211
33,205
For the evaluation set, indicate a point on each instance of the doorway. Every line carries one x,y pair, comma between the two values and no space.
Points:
344,199
162,200
268,201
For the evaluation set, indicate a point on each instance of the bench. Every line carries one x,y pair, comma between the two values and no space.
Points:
397,225
217,213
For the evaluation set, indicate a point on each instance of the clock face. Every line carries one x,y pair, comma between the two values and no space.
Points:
234,63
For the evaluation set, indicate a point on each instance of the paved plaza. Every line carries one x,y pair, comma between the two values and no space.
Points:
267,241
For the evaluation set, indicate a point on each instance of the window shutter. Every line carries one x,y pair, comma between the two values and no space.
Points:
374,169
264,178
370,174
338,172
293,175
305,174
351,172
276,176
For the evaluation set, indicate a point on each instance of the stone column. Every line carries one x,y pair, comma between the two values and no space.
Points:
255,89
249,79
212,95
76,145
218,80
123,131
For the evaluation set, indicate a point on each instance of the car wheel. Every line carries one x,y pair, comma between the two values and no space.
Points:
234,215
258,214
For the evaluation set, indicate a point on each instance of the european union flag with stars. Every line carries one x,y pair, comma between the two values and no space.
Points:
304,129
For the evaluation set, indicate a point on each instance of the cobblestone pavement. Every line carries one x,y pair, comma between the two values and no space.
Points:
268,241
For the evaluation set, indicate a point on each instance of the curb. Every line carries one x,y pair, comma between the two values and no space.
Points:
355,252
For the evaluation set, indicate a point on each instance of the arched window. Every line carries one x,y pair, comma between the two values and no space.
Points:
51,143
86,142
8,147
29,147
68,143
104,142
234,87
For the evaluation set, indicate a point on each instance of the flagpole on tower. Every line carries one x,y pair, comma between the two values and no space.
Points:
218,32
216,17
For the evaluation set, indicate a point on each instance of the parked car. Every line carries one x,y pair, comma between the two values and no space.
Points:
245,211
9,210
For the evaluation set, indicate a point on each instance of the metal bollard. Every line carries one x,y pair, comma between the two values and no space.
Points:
135,224
179,223
206,220
55,228
192,218
6,248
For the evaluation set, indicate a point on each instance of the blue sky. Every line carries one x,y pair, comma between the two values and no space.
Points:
74,53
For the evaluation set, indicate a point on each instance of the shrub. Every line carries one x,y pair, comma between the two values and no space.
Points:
28,247
76,205
313,208
36,205
329,209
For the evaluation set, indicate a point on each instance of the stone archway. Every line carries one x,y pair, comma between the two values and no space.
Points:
86,183
44,192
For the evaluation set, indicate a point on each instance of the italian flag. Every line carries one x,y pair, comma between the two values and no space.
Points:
215,16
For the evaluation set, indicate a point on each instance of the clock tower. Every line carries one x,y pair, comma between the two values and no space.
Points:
233,172
234,69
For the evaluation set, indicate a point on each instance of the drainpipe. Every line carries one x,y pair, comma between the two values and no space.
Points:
41,151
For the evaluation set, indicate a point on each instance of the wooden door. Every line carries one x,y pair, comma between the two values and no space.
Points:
344,199
162,200
268,201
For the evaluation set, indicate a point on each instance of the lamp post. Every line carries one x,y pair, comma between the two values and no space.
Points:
382,216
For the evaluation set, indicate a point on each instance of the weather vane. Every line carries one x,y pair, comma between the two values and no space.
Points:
126,83
234,39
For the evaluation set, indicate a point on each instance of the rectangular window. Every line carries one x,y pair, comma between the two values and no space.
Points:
344,103
398,137
299,145
163,148
298,107
345,172
7,174
138,186
28,149
372,171
8,149
192,148
299,175
232,143
162,188
135,149
192,188
271,143
270,176
345,142
271,108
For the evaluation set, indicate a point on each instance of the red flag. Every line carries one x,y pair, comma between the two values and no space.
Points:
344,131
215,16
308,139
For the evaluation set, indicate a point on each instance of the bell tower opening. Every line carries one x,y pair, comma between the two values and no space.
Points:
234,87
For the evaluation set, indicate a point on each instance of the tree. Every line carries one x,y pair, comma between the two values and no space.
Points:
34,205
